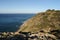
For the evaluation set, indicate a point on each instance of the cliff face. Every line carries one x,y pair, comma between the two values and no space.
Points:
46,21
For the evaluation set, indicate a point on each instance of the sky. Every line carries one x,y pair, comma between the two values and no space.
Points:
28,6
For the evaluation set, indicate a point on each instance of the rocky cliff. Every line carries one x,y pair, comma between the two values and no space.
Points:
45,21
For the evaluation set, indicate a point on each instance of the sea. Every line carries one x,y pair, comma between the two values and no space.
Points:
12,22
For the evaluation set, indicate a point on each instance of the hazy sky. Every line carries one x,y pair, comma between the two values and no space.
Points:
27,6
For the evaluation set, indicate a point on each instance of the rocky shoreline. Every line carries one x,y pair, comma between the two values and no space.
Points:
30,36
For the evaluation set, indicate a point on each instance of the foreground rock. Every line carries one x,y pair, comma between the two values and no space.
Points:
28,36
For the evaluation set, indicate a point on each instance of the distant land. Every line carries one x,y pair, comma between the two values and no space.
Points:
18,13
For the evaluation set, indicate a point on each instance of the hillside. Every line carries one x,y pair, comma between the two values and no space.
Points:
46,21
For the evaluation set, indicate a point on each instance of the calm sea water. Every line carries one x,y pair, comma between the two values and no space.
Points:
11,22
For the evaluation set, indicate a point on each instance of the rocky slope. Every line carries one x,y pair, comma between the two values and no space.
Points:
46,21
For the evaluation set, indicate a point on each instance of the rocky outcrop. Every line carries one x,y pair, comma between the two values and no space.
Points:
46,21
